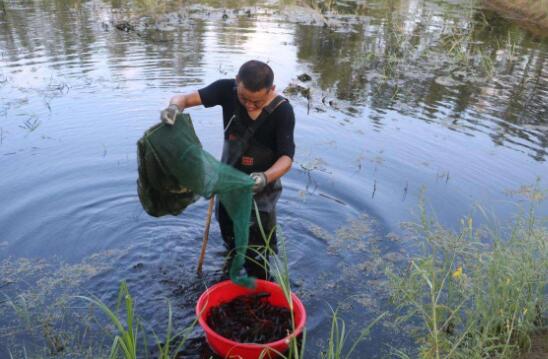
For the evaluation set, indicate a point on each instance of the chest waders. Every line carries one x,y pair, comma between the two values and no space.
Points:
242,151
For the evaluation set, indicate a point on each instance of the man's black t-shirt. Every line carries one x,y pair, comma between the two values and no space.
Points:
275,133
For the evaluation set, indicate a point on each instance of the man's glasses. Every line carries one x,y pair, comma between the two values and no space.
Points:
256,103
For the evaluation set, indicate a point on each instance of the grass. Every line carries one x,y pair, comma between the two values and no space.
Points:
474,293
126,341
477,293
339,337
37,309
338,340
126,338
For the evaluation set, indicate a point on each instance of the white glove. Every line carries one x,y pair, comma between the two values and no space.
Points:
169,115
260,181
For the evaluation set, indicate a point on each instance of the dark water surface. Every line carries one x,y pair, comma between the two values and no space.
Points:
405,96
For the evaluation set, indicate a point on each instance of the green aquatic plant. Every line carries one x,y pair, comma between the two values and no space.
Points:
167,348
338,342
38,308
281,275
20,307
30,124
477,293
339,337
126,340
25,355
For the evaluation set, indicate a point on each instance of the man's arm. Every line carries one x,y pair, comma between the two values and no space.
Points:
177,104
209,96
187,100
278,169
284,144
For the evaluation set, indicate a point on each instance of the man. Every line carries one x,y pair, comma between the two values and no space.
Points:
258,134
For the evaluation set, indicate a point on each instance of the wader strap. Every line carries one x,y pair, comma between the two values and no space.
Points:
250,131
278,100
267,110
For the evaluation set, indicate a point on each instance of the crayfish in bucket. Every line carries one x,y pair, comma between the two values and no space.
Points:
250,319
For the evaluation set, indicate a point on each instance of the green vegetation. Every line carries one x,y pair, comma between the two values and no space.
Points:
339,337
530,12
280,271
126,340
39,316
477,293
338,340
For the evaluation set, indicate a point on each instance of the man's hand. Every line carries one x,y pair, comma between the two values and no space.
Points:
169,115
260,181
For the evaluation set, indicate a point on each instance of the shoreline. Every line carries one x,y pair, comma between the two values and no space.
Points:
530,14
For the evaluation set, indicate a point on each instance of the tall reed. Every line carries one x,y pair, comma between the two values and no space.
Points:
477,293
339,345
126,340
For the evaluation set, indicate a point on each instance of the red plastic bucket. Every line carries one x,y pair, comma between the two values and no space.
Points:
226,291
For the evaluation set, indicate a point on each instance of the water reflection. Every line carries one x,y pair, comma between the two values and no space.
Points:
470,70
471,73
81,81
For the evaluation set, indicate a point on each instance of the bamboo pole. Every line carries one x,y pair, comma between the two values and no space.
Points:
206,234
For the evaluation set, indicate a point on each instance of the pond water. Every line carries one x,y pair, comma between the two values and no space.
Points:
407,98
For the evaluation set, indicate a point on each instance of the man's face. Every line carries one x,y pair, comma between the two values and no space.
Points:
253,101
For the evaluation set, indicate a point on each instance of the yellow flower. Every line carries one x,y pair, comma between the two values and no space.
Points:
458,273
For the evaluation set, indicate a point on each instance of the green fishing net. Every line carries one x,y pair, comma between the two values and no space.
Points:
174,171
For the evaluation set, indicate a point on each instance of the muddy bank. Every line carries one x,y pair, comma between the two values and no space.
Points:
531,14
539,346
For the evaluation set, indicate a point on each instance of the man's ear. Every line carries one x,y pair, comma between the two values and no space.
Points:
273,88
237,79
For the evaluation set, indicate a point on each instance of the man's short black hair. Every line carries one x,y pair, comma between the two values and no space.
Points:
256,75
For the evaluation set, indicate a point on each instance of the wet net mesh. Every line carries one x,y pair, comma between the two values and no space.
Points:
174,171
